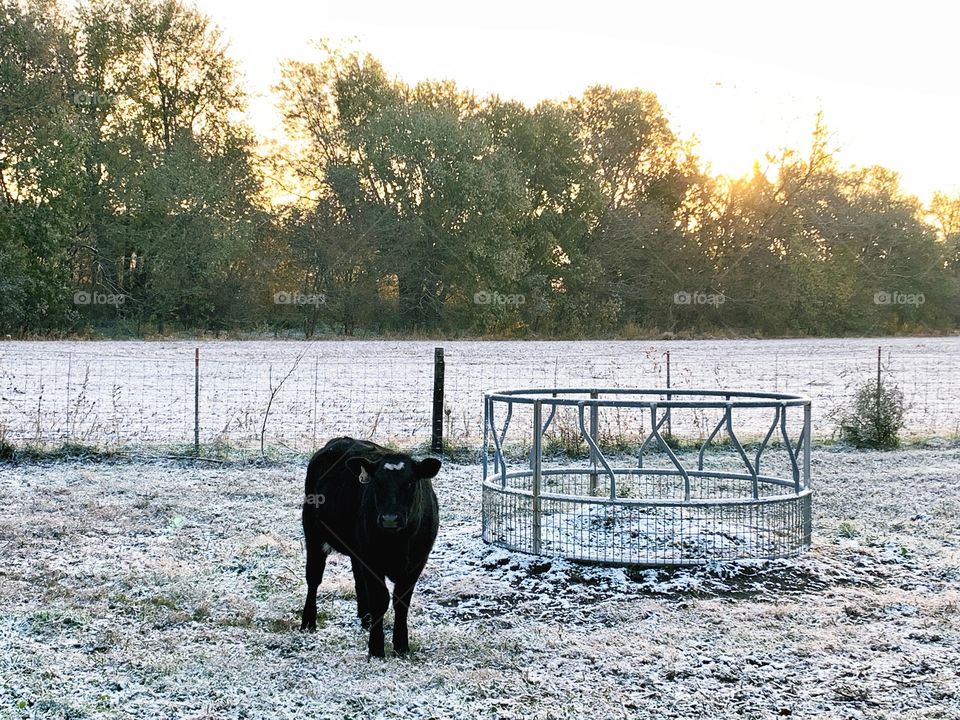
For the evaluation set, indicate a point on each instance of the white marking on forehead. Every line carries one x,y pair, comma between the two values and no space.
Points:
391,466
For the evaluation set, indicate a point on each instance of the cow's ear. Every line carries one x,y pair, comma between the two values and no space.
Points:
361,468
427,468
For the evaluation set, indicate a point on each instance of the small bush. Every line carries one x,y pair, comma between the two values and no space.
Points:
7,449
876,418
847,529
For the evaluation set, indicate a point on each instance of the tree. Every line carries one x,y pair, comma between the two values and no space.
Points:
171,187
639,251
40,157
423,165
946,213
124,169
335,269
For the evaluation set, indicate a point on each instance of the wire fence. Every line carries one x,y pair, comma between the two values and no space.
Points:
298,394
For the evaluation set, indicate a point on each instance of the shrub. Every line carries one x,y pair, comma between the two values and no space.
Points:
7,449
876,418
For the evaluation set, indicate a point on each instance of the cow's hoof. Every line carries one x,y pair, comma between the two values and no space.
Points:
308,626
401,651
379,655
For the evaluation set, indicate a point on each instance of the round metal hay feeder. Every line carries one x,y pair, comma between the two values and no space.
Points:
563,476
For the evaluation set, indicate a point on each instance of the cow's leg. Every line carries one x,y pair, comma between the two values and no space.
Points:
316,562
359,582
378,598
402,592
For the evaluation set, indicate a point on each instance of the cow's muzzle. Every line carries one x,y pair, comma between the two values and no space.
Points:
390,521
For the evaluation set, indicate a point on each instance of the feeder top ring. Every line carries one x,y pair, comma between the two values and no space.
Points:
651,397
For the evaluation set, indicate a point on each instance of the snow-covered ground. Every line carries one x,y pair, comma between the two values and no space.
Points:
123,393
135,590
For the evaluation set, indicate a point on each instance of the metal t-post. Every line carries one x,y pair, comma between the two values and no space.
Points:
196,401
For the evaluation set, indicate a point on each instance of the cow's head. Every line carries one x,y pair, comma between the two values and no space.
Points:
394,481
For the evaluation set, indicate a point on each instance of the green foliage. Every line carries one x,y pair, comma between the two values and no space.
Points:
17,454
123,171
40,160
847,529
875,418
423,209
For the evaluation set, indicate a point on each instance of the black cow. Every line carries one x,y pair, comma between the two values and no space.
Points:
379,508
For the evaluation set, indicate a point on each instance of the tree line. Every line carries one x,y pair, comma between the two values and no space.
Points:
135,199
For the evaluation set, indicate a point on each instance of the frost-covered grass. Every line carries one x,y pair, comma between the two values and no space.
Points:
170,590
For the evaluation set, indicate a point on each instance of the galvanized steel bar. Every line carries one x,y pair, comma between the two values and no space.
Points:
546,425
646,441
706,442
743,455
766,439
536,470
486,434
593,446
670,453
498,442
807,432
594,433
794,467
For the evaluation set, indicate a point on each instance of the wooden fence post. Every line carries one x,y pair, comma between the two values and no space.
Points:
436,439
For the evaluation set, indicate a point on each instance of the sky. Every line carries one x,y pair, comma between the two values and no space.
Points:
743,78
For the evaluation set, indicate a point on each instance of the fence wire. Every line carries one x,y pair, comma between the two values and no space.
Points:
297,394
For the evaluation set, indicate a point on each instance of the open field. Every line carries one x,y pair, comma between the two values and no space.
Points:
171,590
132,393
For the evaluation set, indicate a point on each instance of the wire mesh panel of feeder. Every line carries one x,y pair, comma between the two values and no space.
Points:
647,477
